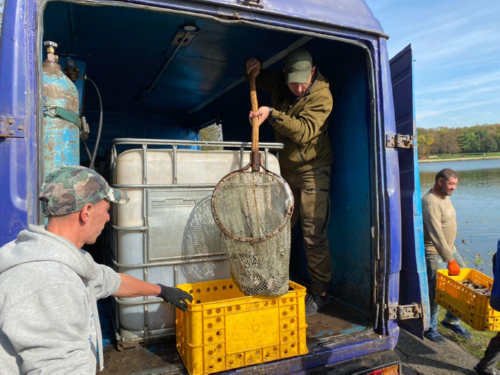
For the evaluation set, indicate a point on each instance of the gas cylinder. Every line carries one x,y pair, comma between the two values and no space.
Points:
61,121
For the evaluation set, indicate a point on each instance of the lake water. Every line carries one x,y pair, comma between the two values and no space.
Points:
477,202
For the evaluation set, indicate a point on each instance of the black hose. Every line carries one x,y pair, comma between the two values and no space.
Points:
99,130
87,149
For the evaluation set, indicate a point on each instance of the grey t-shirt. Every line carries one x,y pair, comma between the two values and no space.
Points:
440,225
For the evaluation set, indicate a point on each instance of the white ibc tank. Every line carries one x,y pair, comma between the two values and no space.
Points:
166,233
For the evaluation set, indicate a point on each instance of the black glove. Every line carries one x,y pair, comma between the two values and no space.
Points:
175,296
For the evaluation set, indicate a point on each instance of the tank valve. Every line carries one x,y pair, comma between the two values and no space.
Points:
51,50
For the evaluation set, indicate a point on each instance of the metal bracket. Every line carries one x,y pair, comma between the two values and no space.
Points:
55,111
399,141
11,127
404,312
252,3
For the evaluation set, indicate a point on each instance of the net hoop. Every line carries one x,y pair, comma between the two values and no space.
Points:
247,170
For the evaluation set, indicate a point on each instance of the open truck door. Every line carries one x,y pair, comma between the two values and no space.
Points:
414,311
15,130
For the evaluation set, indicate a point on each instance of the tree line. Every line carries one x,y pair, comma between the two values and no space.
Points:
472,139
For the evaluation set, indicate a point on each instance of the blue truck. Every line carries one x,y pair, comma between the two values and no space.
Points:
165,68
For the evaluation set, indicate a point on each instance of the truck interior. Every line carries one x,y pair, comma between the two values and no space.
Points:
166,75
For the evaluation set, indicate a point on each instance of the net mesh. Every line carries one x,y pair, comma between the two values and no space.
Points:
261,268
253,210
202,236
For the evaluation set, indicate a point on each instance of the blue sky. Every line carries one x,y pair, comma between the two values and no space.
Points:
456,48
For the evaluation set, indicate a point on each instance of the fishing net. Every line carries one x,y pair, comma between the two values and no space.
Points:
253,207
253,210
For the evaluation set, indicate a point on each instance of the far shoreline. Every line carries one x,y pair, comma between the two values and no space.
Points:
459,159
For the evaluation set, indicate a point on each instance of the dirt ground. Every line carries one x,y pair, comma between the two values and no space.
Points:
425,357
417,357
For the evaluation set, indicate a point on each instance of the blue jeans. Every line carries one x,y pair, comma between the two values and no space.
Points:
435,262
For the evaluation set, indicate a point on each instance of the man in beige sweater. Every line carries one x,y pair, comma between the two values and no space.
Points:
440,231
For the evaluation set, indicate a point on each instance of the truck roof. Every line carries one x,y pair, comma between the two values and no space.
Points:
351,14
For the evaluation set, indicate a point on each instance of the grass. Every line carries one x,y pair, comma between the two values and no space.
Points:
475,346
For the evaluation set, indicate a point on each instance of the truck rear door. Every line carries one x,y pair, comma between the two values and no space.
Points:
17,120
413,290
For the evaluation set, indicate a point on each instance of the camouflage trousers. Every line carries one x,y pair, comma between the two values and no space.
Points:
311,191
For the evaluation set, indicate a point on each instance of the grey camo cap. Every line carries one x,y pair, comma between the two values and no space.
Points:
68,189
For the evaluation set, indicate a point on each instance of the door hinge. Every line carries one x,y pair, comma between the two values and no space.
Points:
11,127
404,312
399,141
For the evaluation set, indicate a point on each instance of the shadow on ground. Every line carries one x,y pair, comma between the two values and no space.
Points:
425,357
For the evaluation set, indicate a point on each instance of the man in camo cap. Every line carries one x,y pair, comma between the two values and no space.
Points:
49,286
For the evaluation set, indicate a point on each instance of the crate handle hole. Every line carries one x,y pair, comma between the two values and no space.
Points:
210,325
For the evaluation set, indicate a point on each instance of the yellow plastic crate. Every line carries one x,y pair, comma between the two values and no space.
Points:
470,306
223,329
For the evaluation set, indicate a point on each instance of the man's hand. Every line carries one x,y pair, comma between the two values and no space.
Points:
175,296
453,268
262,114
253,64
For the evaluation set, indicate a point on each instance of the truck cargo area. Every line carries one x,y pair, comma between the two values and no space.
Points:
166,74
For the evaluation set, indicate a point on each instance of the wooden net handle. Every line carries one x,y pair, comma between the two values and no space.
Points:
255,106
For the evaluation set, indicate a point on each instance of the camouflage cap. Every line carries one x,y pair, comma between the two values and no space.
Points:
68,189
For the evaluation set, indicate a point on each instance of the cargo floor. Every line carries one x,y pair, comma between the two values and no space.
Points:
337,325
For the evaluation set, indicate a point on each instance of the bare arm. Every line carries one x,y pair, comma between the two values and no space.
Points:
132,287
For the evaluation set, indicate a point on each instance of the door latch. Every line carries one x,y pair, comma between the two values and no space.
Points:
404,312
399,141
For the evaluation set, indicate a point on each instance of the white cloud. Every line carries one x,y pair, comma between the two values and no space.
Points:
479,81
